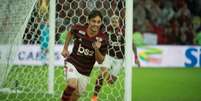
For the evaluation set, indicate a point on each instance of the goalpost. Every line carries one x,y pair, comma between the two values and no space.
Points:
52,17
128,57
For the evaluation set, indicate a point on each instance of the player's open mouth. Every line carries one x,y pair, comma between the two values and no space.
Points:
94,28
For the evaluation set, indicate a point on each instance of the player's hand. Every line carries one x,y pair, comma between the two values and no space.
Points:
65,53
96,44
137,62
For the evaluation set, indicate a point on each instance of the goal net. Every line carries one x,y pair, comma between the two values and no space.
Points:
14,16
24,30
70,12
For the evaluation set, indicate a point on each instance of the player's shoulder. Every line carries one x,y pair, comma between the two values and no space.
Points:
78,29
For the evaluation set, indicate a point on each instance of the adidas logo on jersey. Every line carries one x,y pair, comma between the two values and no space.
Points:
82,50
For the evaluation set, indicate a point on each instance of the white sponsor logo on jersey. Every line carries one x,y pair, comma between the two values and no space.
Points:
82,50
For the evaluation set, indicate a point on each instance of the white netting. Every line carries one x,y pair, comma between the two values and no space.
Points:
29,81
14,15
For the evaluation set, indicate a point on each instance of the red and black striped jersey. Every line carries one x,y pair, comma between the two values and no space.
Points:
83,54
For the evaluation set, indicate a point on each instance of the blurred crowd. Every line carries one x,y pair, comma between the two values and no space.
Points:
173,22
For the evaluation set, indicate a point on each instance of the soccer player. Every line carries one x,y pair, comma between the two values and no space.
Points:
114,59
90,45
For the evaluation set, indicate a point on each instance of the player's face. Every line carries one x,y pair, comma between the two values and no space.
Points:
115,23
94,24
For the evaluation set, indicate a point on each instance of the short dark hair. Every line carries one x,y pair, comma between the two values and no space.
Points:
95,13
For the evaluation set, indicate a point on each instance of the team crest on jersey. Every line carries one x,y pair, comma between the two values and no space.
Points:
99,39
82,32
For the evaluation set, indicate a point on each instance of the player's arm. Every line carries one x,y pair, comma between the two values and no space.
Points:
98,55
65,52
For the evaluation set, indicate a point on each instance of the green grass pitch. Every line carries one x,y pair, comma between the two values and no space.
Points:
149,84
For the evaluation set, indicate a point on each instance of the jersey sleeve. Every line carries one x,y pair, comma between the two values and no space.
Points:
74,30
